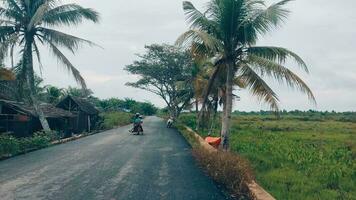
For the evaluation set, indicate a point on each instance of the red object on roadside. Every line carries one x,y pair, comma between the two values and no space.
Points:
213,141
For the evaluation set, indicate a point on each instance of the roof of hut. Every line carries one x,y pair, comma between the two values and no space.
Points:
48,110
8,90
83,104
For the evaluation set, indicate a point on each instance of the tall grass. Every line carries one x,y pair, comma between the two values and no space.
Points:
297,158
114,119
228,169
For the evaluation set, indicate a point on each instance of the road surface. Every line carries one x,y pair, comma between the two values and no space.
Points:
112,165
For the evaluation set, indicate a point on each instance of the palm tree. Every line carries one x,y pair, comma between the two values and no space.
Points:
26,24
77,92
228,31
53,94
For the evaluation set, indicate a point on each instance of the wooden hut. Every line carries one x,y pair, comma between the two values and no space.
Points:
8,90
85,112
21,120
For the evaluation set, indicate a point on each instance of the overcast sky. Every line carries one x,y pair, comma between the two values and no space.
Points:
321,32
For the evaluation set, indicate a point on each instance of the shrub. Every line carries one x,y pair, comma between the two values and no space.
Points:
41,140
227,169
8,145
113,119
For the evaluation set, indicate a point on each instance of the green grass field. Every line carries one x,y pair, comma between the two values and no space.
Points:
297,157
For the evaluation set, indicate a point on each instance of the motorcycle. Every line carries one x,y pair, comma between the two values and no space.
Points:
170,123
137,129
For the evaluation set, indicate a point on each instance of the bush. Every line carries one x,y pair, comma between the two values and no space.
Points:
41,140
227,169
10,145
113,119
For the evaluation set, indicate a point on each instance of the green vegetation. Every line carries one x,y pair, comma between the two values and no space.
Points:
28,24
166,71
115,119
302,155
127,105
226,168
226,33
10,145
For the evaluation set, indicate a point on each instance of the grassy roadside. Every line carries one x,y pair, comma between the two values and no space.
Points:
114,119
227,169
297,157
11,146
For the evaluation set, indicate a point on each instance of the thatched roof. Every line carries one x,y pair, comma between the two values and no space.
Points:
83,104
48,110
8,90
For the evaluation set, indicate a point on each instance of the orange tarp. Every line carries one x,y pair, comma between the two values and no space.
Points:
213,141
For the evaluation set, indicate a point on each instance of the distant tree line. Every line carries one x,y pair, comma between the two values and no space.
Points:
124,105
52,94
309,115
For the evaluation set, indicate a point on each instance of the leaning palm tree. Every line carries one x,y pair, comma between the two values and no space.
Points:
228,31
26,24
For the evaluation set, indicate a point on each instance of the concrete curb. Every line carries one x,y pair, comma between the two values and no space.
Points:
256,190
76,137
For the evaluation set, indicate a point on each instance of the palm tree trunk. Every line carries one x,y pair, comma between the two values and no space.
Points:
206,95
226,120
28,64
197,113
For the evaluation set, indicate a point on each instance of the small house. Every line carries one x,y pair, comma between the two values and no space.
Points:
8,90
21,119
85,112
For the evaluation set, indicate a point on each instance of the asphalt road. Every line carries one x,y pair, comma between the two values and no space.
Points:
112,165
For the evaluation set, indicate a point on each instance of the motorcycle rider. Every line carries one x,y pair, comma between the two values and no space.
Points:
137,123
170,122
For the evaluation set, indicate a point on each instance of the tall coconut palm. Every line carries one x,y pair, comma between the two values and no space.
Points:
228,30
25,24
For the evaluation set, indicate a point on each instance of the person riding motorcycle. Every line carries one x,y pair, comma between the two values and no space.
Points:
137,124
170,122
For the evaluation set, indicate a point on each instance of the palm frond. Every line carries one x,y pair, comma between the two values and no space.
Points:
38,16
258,87
199,37
58,38
7,44
12,49
6,32
13,5
282,74
196,19
277,54
6,22
70,14
67,64
263,20
38,55
11,11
